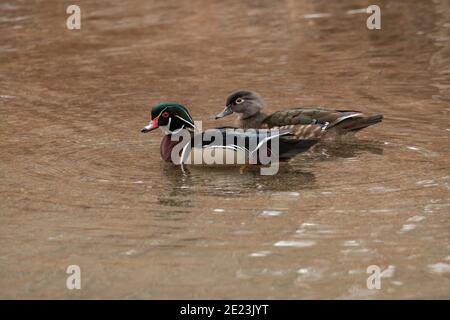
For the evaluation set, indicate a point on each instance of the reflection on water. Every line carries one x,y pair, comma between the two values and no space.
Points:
80,185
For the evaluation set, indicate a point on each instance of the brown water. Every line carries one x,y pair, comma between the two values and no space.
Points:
80,185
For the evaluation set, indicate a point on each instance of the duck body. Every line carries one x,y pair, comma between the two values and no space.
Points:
182,145
248,106
246,145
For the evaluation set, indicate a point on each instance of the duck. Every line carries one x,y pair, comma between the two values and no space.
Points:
182,139
249,105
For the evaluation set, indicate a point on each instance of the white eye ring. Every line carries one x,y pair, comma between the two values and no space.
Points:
239,100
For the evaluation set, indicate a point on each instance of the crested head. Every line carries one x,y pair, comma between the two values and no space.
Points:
246,104
170,117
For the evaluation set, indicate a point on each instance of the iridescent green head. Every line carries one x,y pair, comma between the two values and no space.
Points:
170,117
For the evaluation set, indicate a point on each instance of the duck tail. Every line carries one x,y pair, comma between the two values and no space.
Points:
374,119
366,121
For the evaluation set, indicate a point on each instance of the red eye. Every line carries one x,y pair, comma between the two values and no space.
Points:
165,114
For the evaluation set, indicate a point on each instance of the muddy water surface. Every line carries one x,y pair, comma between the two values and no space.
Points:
80,185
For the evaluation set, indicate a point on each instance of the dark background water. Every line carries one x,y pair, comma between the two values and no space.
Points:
80,185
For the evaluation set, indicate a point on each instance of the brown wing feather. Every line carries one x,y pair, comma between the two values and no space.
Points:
303,132
301,116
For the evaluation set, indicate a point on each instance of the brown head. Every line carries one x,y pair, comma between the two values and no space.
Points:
245,104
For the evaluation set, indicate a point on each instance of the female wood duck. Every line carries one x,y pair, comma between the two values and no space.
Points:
248,106
174,119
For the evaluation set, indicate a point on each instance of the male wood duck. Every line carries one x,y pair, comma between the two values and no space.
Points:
172,118
248,106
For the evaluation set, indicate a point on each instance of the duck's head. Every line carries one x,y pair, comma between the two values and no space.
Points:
245,103
169,117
